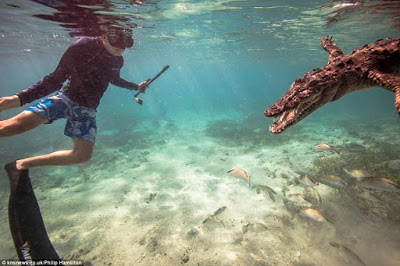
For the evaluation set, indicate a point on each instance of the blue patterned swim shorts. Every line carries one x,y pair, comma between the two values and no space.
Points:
81,120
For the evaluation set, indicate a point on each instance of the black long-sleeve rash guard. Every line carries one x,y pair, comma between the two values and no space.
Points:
89,67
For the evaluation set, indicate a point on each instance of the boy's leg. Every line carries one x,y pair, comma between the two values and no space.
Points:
20,123
81,152
80,126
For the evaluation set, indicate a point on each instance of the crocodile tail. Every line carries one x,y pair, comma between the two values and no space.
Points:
397,99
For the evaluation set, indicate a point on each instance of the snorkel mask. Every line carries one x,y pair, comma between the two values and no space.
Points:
120,39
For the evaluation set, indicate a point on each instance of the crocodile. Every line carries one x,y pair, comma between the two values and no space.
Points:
374,65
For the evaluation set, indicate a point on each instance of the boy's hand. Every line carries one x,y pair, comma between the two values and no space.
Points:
9,102
143,86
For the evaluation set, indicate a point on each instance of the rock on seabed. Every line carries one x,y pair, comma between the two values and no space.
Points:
394,164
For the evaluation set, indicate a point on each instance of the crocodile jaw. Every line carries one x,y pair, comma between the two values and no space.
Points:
290,116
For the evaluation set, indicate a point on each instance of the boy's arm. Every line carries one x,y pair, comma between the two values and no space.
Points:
122,83
52,82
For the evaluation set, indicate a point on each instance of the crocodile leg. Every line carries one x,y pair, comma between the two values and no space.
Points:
333,50
388,81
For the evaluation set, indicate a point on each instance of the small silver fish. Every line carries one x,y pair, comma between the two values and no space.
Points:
332,181
357,173
214,219
261,189
314,215
344,5
240,173
317,195
368,196
354,147
347,252
219,211
382,184
297,198
327,147
151,197
308,181
255,228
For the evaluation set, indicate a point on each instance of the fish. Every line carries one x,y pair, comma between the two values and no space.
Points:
151,197
354,147
357,174
261,189
332,181
318,196
213,217
312,194
314,215
377,183
348,252
343,5
327,147
240,173
368,196
297,198
308,181
219,211
256,228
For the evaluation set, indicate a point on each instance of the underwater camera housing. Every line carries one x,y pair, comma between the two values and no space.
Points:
120,38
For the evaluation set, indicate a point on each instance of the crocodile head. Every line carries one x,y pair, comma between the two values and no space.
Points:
304,96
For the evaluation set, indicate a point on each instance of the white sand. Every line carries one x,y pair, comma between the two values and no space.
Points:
149,205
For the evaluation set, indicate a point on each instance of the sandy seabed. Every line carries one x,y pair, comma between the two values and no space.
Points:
158,193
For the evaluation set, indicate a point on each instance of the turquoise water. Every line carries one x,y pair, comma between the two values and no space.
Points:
159,169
